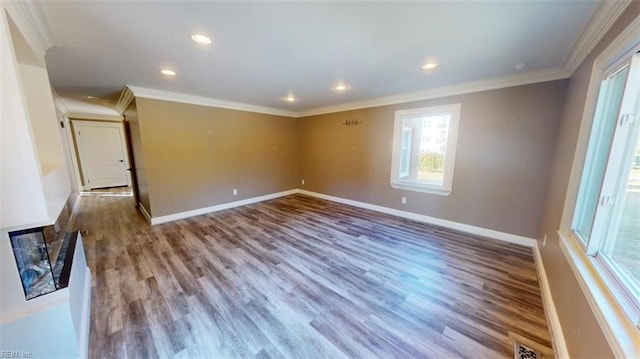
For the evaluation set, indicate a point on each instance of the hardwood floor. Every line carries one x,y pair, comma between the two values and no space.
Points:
299,277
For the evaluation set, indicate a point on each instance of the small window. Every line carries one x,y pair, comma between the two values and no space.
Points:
424,148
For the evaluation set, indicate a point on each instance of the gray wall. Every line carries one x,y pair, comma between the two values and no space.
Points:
505,147
582,333
194,156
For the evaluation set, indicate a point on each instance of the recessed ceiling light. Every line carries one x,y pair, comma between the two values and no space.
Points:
168,72
290,98
429,66
520,66
340,87
89,97
201,39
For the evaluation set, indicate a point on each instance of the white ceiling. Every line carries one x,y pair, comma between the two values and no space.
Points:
262,51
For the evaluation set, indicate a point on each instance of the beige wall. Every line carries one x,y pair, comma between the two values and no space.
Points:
505,146
582,333
194,156
137,162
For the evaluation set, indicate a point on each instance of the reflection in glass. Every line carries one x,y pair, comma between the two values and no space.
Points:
32,258
622,245
424,142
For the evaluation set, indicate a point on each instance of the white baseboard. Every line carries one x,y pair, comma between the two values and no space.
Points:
145,213
559,344
76,204
220,207
484,232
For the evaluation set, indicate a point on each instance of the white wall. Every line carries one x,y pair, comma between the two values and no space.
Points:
20,167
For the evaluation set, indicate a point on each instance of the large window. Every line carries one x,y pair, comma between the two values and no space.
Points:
424,148
606,219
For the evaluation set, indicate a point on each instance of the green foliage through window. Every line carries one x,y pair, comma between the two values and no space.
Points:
431,162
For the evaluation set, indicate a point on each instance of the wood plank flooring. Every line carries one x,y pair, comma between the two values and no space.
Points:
299,277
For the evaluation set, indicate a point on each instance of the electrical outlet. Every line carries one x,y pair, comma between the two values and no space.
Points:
544,241
303,182
235,192
404,200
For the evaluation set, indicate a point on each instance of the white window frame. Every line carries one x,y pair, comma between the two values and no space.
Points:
405,152
453,110
614,310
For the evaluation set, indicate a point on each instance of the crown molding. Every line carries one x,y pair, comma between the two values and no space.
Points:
129,92
76,115
126,97
59,103
206,101
84,111
32,19
469,87
604,18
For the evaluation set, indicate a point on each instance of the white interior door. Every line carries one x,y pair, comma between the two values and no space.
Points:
103,156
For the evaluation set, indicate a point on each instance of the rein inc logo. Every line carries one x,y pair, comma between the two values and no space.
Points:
15,354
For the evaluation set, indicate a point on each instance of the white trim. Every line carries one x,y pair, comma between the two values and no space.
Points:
83,341
79,110
59,103
81,116
623,336
31,17
625,42
206,101
469,87
445,91
424,188
559,343
453,110
76,204
145,213
483,232
73,152
605,17
219,207
126,97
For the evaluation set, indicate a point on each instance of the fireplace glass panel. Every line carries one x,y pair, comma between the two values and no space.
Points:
32,257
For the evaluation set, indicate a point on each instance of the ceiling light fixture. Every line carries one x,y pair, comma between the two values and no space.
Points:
290,98
520,66
340,87
168,72
429,66
89,97
201,39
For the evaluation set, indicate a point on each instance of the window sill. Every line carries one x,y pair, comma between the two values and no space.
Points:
621,333
411,186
